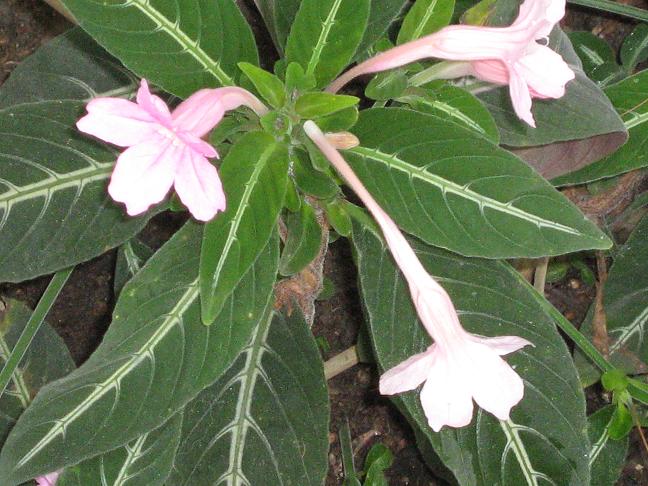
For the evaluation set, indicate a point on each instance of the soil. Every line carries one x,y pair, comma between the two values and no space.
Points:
82,312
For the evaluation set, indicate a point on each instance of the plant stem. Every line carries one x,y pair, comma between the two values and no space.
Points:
540,274
32,326
341,362
613,7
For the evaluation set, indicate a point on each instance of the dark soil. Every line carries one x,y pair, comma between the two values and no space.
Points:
82,312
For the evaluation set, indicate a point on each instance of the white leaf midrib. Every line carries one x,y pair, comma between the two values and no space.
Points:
327,25
447,186
172,318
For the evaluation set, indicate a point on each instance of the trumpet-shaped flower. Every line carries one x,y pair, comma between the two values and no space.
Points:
47,480
165,149
502,55
459,366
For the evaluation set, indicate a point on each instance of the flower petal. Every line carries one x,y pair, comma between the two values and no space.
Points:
520,97
501,344
198,186
118,121
144,174
446,396
199,113
153,104
495,386
545,71
407,375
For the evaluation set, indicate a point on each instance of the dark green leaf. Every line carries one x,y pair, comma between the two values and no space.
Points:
346,450
279,16
378,459
456,105
54,208
544,442
269,86
131,257
180,46
386,85
595,54
606,456
424,18
254,176
634,49
309,180
314,105
303,241
455,189
383,14
338,218
70,67
265,422
339,121
145,461
325,36
47,359
156,356
630,98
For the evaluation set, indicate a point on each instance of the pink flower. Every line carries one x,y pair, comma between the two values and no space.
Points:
48,480
165,149
501,55
459,366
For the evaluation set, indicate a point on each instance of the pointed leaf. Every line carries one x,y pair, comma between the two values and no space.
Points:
180,46
383,14
266,420
53,192
254,176
156,356
71,67
325,36
545,440
47,359
630,98
455,189
145,461
278,16
303,241
635,47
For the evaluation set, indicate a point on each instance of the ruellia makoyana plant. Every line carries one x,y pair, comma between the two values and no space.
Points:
441,163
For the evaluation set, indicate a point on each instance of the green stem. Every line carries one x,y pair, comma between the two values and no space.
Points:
613,7
34,323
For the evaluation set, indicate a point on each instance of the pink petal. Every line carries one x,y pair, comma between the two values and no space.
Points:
144,174
540,16
501,344
495,386
545,71
48,480
198,186
153,104
446,396
198,145
118,121
407,375
199,113
520,97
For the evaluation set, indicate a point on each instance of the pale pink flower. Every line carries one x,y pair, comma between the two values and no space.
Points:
501,55
459,366
48,480
165,149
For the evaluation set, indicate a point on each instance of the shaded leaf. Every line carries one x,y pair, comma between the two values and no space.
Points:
47,359
131,257
180,46
630,98
455,189
156,356
634,49
266,420
70,67
53,193
325,36
597,57
542,443
254,176
607,456
383,14
143,462
278,16
303,240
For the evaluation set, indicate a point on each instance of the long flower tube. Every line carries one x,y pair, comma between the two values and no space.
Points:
501,55
459,366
